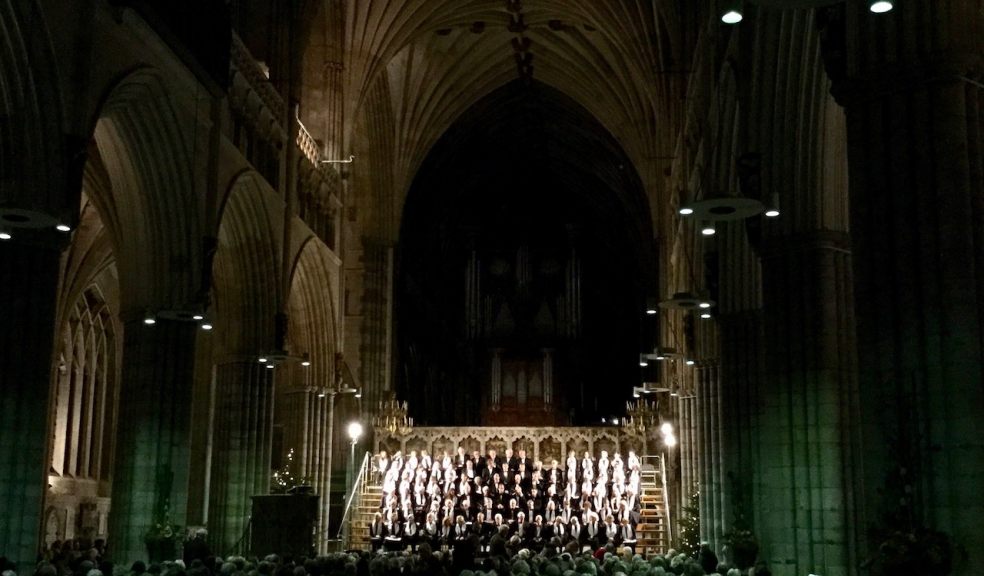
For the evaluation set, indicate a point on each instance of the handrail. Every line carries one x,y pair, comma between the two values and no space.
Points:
666,502
356,489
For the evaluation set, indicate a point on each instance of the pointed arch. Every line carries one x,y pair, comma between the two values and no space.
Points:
246,271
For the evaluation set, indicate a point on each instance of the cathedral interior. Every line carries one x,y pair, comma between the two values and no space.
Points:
228,228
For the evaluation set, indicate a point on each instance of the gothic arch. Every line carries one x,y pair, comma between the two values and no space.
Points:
34,191
151,202
246,271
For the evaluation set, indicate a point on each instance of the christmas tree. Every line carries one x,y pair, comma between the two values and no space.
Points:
689,526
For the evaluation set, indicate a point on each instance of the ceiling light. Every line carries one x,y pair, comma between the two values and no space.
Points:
643,360
682,301
261,359
880,6
4,235
686,211
705,315
305,363
704,304
690,362
63,228
358,393
206,326
270,366
321,394
666,428
707,229
773,210
731,12
670,441
197,317
149,318
652,305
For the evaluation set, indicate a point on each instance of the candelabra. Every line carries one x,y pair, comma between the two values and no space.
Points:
641,415
391,416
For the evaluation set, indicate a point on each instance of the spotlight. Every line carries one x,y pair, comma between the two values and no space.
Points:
4,235
321,394
690,362
262,360
666,428
704,304
635,394
305,363
643,361
650,311
670,441
63,228
354,431
685,211
880,6
707,229
773,210
197,317
206,326
705,315
652,305
731,13
270,366
149,319
358,393
614,421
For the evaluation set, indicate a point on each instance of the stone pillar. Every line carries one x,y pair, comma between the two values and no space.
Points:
241,449
807,418
153,435
913,98
28,279
377,307
713,485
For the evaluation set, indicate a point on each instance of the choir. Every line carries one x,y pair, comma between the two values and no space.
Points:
452,498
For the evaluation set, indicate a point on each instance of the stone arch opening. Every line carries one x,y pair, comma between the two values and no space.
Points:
524,260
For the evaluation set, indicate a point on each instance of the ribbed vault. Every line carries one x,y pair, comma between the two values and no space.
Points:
415,67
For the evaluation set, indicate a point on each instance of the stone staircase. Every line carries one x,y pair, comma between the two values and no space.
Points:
652,530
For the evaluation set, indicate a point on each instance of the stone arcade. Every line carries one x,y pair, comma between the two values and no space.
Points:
230,227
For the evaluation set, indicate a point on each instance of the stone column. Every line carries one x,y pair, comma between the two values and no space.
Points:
241,449
28,279
377,307
153,435
714,487
806,509
913,97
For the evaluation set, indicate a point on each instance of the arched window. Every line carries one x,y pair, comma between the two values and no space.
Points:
85,396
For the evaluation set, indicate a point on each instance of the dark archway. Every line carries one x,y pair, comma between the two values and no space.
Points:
526,252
